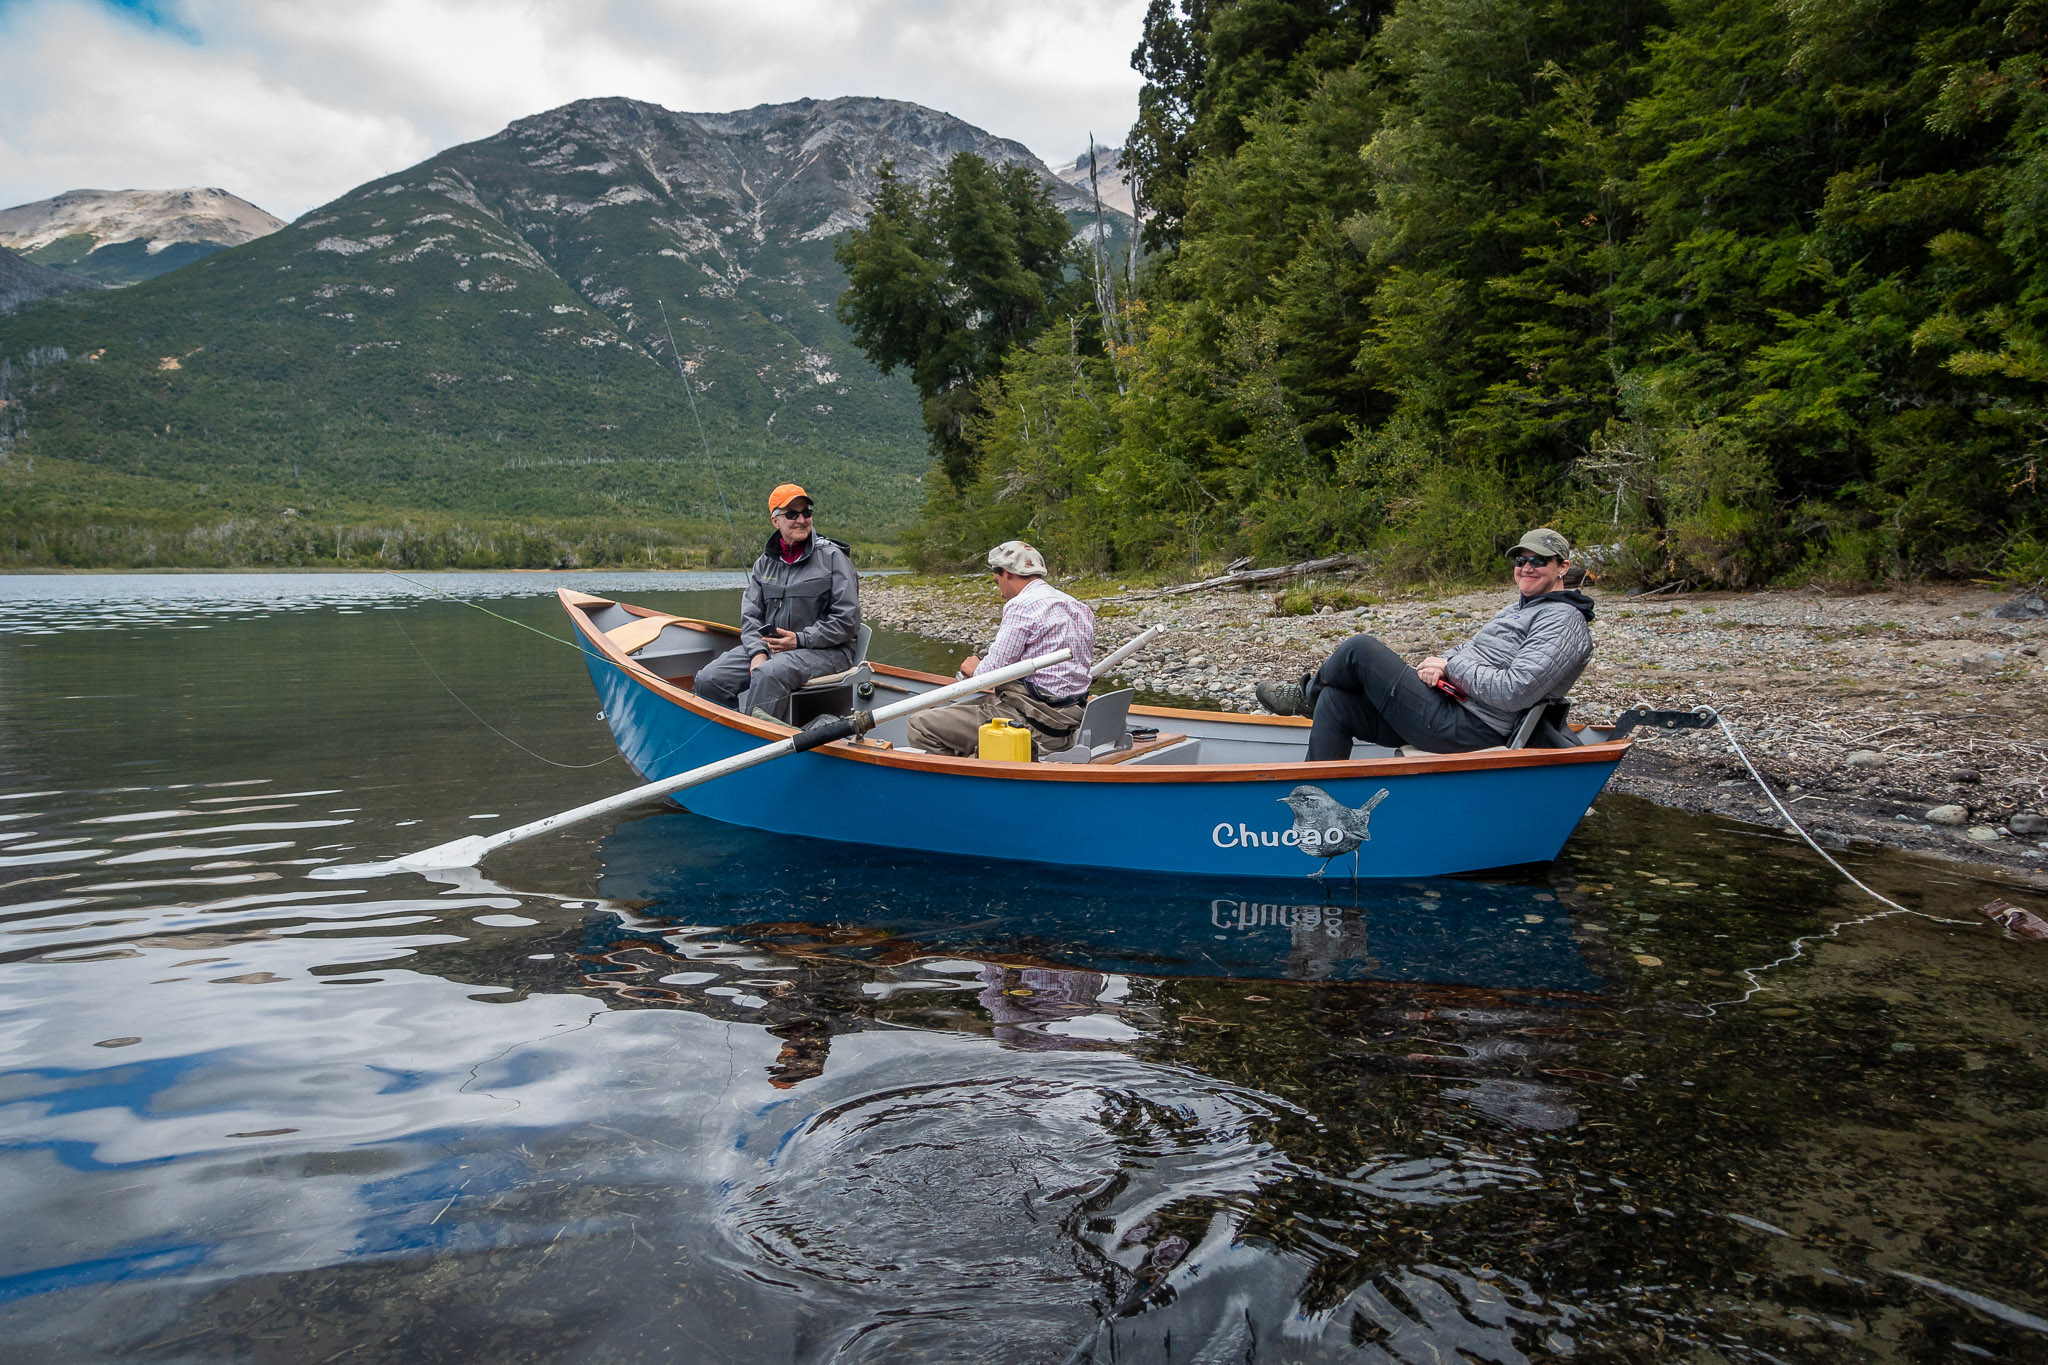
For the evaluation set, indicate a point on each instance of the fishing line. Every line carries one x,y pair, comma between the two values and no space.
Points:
480,720
1799,944
545,636
677,356
485,610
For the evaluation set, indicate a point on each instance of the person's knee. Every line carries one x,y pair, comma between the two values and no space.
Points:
782,674
720,684
1362,652
930,737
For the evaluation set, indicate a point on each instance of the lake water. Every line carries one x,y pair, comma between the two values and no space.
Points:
658,1089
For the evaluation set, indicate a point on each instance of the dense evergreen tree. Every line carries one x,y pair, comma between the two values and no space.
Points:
1159,152
944,281
1734,289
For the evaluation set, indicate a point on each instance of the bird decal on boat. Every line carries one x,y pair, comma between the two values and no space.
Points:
1325,827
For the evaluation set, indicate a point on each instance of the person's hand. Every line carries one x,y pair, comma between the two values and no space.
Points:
755,661
1431,670
779,640
969,664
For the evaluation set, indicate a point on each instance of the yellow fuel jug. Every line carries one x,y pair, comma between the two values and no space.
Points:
1004,739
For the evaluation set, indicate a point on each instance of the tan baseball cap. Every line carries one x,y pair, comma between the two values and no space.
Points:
1544,541
1019,558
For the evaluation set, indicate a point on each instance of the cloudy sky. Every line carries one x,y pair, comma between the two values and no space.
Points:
288,103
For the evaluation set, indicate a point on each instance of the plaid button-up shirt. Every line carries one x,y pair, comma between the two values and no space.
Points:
1041,619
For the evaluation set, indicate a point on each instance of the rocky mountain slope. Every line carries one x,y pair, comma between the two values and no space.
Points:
487,334
23,282
121,236
1110,177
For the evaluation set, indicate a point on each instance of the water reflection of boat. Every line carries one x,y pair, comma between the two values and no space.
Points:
886,907
1205,794
1459,983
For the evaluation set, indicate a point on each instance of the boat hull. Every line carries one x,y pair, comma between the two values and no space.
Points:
1226,821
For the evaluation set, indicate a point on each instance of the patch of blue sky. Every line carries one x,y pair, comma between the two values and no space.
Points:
162,16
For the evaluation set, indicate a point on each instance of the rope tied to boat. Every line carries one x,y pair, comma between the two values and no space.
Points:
1799,944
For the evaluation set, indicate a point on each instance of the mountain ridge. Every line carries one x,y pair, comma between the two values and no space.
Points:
123,236
485,335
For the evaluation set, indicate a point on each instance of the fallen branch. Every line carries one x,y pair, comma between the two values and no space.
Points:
1249,578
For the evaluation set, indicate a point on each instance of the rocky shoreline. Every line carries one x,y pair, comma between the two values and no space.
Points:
1912,719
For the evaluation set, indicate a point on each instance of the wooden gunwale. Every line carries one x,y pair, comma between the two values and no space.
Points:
575,603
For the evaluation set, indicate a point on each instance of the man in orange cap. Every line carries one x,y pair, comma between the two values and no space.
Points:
799,619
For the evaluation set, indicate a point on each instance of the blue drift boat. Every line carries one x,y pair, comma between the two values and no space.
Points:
1147,789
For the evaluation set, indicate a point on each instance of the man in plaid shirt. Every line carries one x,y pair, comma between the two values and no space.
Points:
1037,618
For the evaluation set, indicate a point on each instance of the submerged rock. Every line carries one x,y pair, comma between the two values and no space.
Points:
2016,921
1948,815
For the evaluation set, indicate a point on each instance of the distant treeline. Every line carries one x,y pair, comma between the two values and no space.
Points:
303,543
1736,290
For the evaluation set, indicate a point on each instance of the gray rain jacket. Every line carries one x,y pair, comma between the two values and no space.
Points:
1531,651
818,597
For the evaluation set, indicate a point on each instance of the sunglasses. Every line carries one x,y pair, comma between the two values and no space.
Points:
796,513
1532,561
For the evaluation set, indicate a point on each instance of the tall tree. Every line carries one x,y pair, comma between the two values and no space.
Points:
1159,153
944,281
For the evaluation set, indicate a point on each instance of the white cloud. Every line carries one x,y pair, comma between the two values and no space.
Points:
289,103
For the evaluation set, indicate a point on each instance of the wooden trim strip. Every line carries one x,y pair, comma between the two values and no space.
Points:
1610,752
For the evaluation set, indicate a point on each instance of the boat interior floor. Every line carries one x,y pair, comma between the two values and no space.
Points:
674,649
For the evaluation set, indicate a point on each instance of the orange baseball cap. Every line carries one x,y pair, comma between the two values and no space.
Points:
784,495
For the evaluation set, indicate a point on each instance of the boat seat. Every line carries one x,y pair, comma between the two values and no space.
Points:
639,632
1103,729
665,652
1169,750
836,694
1143,750
1543,727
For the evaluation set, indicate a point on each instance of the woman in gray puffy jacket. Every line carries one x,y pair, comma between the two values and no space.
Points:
1532,651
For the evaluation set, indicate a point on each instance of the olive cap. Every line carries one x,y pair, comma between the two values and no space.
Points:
1544,541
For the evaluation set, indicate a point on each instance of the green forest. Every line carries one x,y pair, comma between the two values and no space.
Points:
1731,291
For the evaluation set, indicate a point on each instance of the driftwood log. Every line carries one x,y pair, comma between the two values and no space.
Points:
1252,578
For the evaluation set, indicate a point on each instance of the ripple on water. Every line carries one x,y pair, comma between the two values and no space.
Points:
985,1213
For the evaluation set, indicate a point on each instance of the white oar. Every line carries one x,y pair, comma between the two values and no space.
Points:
1143,638
470,851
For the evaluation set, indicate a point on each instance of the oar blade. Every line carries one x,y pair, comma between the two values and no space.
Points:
464,852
